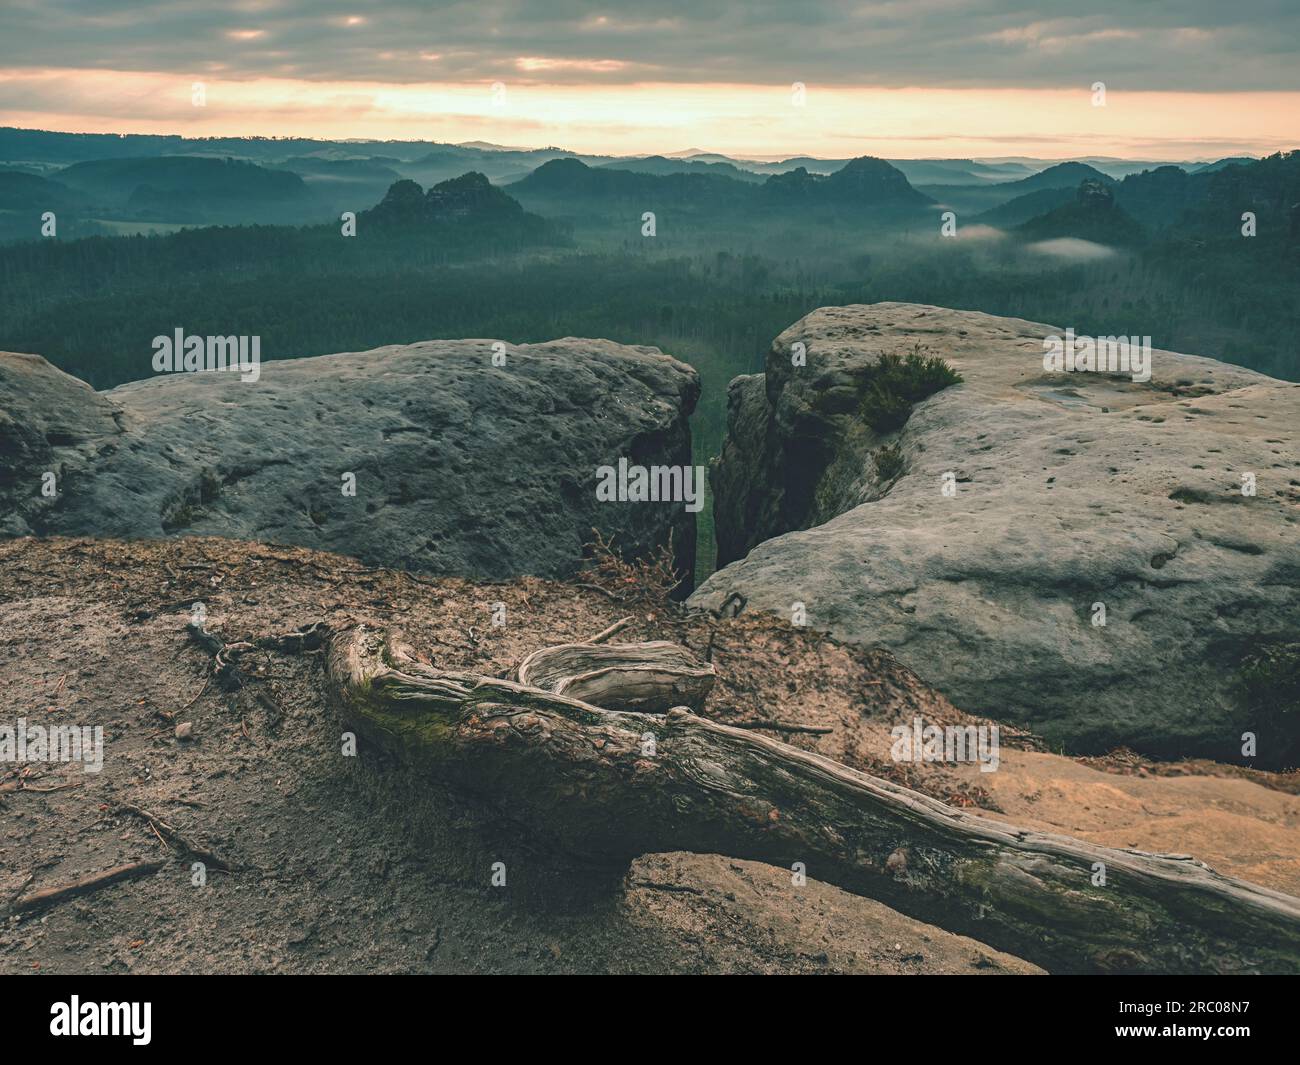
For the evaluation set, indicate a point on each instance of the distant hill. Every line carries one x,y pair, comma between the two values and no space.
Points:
699,155
658,164
917,171
1091,214
864,183
466,203
24,199
1118,169
184,188
1268,187
22,191
64,148
344,184
573,185
955,171
1213,198
470,196
310,166
1062,175
20,145
968,198
26,145
1023,208
1208,201
1233,160
501,165
873,182
807,162
423,160
1159,197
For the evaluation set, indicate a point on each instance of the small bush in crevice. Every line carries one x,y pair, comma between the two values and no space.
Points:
884,410
888,461
898,383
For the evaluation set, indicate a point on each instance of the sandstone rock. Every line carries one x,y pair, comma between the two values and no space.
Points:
1071,490
746,510
461,466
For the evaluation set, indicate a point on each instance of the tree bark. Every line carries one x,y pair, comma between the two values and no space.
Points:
609,786
646,677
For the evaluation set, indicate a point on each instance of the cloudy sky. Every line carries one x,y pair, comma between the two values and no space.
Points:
900,78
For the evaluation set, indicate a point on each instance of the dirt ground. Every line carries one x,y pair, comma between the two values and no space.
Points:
348,864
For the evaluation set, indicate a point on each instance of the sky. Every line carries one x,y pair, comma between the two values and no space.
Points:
755,78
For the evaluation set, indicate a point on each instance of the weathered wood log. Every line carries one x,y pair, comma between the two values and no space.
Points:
648,677
610,786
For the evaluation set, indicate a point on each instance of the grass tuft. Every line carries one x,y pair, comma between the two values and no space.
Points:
899,382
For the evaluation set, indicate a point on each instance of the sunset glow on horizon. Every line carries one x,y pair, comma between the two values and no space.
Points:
753,121
897,78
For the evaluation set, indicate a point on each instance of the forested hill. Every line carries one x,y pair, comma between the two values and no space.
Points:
183,188
88,305
862,186
468,198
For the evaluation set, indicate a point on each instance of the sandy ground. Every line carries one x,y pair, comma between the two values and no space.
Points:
347,864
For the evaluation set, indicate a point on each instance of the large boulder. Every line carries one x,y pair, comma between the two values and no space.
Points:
1074,498
461,466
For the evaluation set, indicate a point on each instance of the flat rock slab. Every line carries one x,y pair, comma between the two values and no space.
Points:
1071,490
460,466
